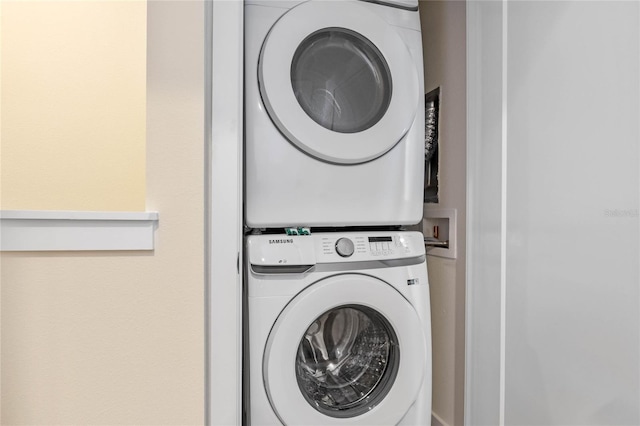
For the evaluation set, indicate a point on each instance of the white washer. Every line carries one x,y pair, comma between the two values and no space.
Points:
334,114
339,330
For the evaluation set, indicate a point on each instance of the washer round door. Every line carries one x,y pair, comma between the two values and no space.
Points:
348,350
338,81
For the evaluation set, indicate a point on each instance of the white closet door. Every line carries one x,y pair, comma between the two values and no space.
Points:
554,213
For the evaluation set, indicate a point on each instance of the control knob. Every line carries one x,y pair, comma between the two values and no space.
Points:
344,247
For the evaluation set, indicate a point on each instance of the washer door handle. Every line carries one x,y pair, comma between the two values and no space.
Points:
281,269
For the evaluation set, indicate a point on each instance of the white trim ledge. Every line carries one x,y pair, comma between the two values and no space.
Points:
41,230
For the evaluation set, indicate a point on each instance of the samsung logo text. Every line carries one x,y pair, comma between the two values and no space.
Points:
281,241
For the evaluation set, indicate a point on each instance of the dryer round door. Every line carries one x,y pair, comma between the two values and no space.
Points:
338,81
348,350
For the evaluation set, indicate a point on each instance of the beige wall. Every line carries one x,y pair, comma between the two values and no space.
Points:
73,97
118,337
444,40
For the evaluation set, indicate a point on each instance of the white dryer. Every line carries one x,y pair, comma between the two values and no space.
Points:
339,330
334,114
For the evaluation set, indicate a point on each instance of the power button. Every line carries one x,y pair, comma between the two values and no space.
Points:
344,247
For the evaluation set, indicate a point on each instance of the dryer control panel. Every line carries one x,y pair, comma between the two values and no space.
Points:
282,250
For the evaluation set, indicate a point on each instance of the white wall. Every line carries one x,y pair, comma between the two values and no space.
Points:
443,35
554,309
73,101
118,337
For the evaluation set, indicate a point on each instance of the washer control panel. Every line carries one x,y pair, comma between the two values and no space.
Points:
345,247
333,247
368,246
382,246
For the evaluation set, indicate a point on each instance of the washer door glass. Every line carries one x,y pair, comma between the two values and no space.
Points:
347,361
341,80
348,349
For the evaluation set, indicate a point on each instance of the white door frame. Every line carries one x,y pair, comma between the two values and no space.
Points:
223,210
485,273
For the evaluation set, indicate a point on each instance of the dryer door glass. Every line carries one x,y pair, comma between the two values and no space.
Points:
347,361
341,80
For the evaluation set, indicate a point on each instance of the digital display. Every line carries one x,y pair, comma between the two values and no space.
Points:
380,239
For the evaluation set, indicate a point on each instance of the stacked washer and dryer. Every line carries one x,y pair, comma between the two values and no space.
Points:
337,322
